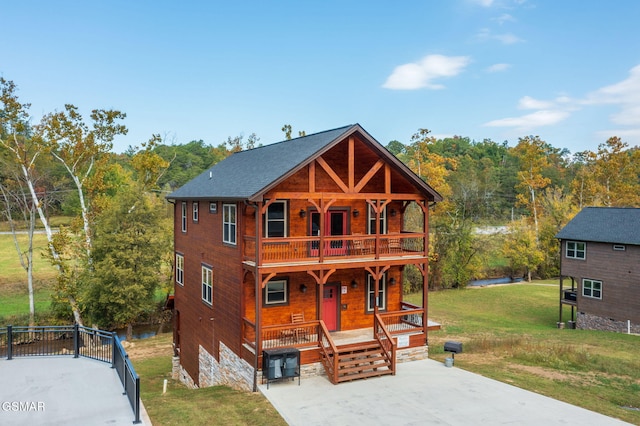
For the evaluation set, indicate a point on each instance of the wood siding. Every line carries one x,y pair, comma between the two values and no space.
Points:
202,324
619,272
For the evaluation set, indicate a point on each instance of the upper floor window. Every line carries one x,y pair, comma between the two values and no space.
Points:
195,207
179,269
619,247
276,292
576,250
275,220
371,220
381,301
592,288
207,284
184,216
229,223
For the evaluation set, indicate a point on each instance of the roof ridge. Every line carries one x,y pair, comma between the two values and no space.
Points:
299,137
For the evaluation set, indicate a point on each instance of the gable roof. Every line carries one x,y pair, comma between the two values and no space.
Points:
247,175
604,225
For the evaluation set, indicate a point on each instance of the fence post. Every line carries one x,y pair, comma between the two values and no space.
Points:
9,342
76,341
137,402
113,349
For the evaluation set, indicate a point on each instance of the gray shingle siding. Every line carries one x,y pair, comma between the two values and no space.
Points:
604,225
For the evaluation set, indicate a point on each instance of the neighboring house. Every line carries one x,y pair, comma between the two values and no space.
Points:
289,244
600,254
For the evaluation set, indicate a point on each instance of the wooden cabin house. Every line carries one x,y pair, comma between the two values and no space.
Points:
600,255
300,245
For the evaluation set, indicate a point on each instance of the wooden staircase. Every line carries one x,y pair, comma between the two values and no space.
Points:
360,361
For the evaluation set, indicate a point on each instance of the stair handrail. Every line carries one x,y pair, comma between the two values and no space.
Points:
389,353
328,351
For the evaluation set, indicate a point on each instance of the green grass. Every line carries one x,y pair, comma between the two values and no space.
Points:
182,406
510,334
14,293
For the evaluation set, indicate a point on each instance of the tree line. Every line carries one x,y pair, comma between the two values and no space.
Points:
116,254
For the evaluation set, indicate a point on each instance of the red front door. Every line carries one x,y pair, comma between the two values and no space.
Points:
330,306
335,223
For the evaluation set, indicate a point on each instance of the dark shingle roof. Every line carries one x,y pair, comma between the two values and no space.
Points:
604,225
247,174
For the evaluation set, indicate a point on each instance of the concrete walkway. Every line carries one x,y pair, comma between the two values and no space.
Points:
422,393
62,391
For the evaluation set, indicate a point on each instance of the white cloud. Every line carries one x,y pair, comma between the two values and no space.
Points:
498,67
485,34
531,121
505,17
625,94
421,74
528,102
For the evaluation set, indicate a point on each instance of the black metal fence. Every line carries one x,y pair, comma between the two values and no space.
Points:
76,341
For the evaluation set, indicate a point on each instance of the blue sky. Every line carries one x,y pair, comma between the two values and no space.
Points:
567,71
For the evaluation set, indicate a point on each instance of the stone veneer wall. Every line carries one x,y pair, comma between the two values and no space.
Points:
238,374
593,322
231,371
179,373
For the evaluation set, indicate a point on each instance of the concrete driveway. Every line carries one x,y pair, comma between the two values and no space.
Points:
422,393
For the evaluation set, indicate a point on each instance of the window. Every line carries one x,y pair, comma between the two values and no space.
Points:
275,293
619,247
207,285
229,223
184,216
371,294
576,250
195,211
213,207
371,220
275,220
592,288
180,269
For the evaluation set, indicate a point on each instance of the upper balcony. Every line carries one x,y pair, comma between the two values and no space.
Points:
334,249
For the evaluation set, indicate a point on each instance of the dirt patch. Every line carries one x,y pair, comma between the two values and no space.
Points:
150,347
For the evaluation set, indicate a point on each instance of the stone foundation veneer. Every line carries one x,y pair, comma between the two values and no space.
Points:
593,322
231,371
180,374
235,372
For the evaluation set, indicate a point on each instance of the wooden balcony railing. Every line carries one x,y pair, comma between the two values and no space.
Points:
409,320
387,343
316,249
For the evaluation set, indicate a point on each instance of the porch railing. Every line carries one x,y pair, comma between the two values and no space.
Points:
387,343
329,357
75,341
302,334
409,319
315,249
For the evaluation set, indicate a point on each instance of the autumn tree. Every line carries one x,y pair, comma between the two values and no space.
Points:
609,176
25,148
533,159
82,151
130,244
521,249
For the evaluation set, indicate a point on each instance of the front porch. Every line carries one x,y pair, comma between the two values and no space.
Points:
350,354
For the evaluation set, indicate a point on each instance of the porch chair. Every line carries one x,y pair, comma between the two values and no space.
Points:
302,332
395,245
